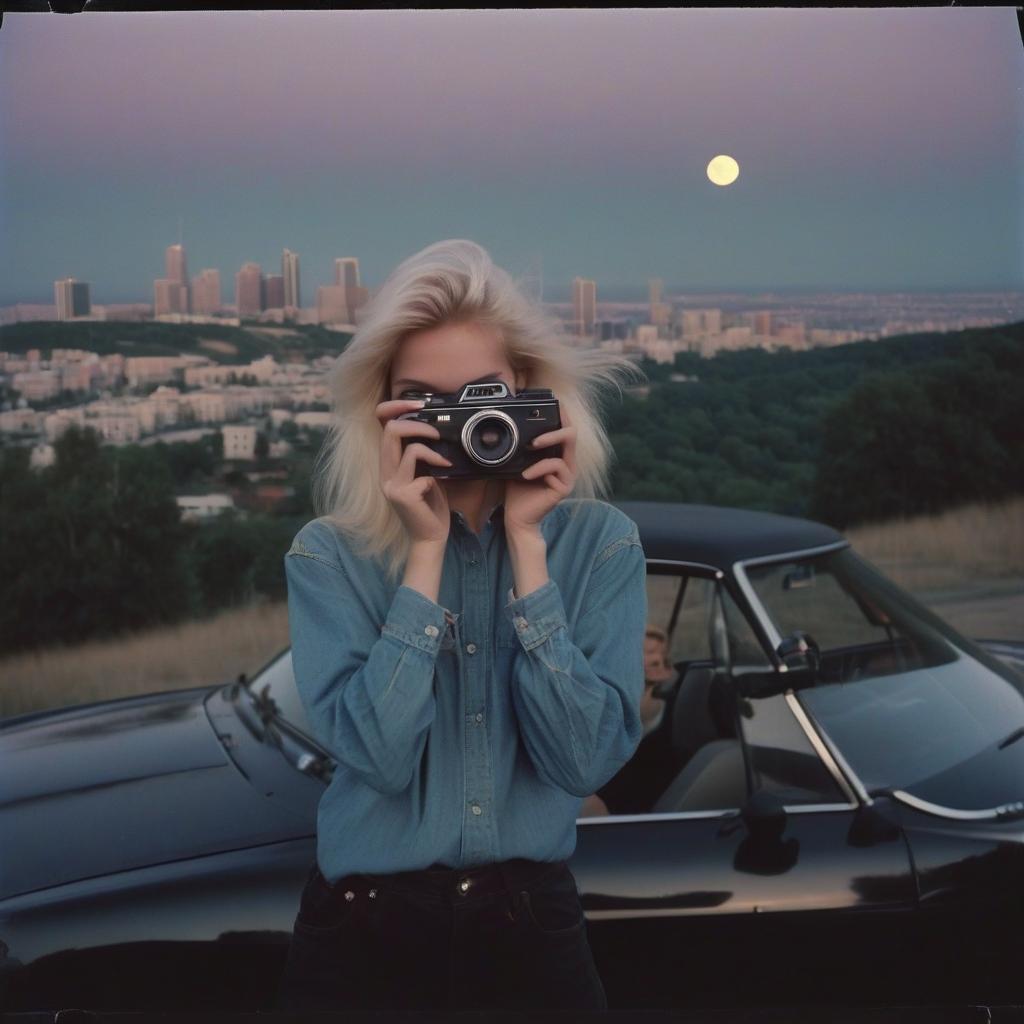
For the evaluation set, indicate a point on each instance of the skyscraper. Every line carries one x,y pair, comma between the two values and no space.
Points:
176,272
249,290
584,305
206,291
72,298
346,272
654,286
174,259
274,295
346,276
290,273
331,307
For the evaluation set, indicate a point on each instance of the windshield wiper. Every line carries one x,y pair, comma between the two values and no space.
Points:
1012,738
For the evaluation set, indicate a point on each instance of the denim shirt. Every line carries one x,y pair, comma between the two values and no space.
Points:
469,730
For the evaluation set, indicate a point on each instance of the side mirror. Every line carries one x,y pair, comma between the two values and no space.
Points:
799,652
764,851
800,657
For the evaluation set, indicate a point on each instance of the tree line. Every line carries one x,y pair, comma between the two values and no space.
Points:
94,545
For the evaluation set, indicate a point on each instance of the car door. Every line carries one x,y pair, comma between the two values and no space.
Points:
690,903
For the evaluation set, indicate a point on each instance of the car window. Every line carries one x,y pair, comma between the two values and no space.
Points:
858,638
690,761
743,649
781,757
908,702
691,635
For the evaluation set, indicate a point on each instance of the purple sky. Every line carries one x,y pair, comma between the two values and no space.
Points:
877,148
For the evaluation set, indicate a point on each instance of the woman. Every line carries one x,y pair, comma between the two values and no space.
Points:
470,651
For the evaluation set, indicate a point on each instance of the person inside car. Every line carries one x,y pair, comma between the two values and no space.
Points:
470,651
642,779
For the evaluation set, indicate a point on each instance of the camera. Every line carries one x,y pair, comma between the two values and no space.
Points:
485,430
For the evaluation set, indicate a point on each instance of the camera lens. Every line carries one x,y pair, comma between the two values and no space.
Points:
490,438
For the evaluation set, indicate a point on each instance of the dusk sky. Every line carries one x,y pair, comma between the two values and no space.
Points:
877,148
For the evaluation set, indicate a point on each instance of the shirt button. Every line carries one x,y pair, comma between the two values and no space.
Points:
431,630
476,809
471,648
464,885
521,623
479,717
472,561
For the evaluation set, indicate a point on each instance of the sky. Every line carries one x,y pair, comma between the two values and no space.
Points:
878,148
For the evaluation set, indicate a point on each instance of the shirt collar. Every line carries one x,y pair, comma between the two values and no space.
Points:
497,513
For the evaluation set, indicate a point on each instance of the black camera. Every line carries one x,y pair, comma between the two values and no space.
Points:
485,430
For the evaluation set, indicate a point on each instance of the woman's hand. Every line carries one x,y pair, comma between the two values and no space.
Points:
544,484
420,501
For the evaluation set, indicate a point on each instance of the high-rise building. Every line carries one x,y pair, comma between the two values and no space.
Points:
331,305
72,298
206,291
290,273
584,305
654,286
355,299
176,271
169,297
174,259
249,290
274,294
346,272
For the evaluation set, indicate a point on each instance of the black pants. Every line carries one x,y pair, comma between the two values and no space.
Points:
510,935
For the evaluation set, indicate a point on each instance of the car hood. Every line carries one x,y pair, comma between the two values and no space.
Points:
103,788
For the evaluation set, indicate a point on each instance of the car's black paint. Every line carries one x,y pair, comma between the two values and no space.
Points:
716,536
155,849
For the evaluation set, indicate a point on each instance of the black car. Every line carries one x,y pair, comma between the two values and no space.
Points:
843,822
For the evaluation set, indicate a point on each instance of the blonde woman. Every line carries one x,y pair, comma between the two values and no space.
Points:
469,650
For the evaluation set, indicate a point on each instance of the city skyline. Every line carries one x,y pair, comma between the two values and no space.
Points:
880,149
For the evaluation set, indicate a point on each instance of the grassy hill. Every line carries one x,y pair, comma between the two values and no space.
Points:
967,564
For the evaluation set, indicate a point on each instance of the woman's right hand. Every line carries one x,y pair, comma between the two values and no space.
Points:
420,501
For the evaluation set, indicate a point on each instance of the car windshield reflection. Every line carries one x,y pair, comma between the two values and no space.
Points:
279,678
909,702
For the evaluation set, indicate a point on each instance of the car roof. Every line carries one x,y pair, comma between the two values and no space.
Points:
719,536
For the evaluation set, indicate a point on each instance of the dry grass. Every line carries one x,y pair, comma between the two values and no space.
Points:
192,654
976,543
967,564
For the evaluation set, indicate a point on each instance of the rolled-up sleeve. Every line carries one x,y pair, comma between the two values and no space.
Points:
367,687
577,698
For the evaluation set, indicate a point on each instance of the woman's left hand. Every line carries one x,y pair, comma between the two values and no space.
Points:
544,484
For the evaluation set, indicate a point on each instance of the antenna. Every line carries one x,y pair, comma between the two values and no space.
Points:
179,229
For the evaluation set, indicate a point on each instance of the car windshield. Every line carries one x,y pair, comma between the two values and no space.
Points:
908,702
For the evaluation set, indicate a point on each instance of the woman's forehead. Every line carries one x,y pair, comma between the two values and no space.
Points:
449,355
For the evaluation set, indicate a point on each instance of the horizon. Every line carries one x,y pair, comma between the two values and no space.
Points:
904,180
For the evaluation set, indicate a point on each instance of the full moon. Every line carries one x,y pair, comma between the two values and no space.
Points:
723,170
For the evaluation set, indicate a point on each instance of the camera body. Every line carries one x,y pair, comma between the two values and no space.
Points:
486,431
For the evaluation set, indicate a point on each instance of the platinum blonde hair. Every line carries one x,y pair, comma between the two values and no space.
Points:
449,282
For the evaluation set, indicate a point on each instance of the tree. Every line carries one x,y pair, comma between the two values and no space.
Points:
91,544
